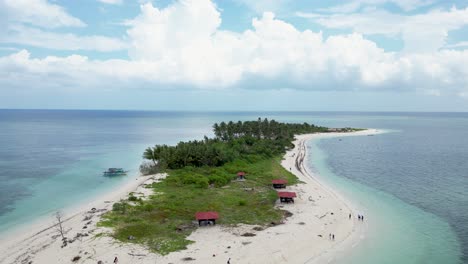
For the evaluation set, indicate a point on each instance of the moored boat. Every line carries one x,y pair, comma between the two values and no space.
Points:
115,172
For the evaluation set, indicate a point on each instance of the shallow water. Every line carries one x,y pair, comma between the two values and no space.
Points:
411,183
396,231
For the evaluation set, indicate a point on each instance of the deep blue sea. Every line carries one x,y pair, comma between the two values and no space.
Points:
411,182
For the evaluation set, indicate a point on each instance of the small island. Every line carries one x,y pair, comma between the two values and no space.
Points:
203,175
244,195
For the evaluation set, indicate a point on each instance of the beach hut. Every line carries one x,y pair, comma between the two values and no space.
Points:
286,197
241,175
206,217
279,183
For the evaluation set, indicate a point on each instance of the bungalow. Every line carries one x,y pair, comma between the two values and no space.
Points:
286,197
206,217
279,183
241,175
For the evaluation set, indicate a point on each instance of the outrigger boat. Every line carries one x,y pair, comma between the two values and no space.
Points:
115,172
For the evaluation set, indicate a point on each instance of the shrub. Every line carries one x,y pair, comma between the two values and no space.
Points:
133,198
218,181
120,207
147,168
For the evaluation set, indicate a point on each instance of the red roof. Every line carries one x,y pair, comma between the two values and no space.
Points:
206,215
286,194
279,181
240,173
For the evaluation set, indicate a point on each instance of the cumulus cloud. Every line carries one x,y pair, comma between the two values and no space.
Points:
183,45
37,12
420,33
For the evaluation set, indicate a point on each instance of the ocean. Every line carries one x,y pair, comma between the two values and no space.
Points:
411,182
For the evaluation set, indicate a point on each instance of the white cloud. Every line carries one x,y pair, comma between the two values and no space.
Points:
461,44
37,12
420,33
260,6
182,45
111,2
60,41
355,5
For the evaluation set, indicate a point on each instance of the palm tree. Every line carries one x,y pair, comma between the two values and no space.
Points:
149,154
217,130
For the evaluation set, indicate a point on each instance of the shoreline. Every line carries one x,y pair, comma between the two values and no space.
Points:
318,211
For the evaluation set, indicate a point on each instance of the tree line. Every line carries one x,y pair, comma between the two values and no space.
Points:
232,140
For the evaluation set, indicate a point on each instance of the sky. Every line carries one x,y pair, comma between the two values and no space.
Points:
225,55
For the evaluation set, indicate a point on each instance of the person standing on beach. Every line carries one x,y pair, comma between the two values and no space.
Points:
359,217
333,237
362,218
229,261
349,216
116,260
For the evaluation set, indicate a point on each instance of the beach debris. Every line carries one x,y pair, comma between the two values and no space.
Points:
287,214
301,223
322,216
131,238
188,259
246,243
247,234
87,218
258,228
76,258
184,227
273,223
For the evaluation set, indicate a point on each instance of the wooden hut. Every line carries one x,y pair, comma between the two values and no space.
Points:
286,197
279,183
206,217
241,175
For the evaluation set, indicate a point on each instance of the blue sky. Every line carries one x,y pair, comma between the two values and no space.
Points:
360,55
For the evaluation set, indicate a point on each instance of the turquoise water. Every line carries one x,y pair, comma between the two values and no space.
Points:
411,184
397,232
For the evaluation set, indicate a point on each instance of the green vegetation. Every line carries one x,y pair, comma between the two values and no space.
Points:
201,177
232,141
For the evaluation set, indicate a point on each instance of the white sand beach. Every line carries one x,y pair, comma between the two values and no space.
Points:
302,238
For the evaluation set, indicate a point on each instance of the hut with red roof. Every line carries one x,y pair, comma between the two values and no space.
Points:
241,175
286,197
279,183
206,217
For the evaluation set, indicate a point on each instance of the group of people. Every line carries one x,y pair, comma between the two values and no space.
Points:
359,217
116,261
331,236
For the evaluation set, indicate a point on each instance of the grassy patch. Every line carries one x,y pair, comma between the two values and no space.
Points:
164,221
